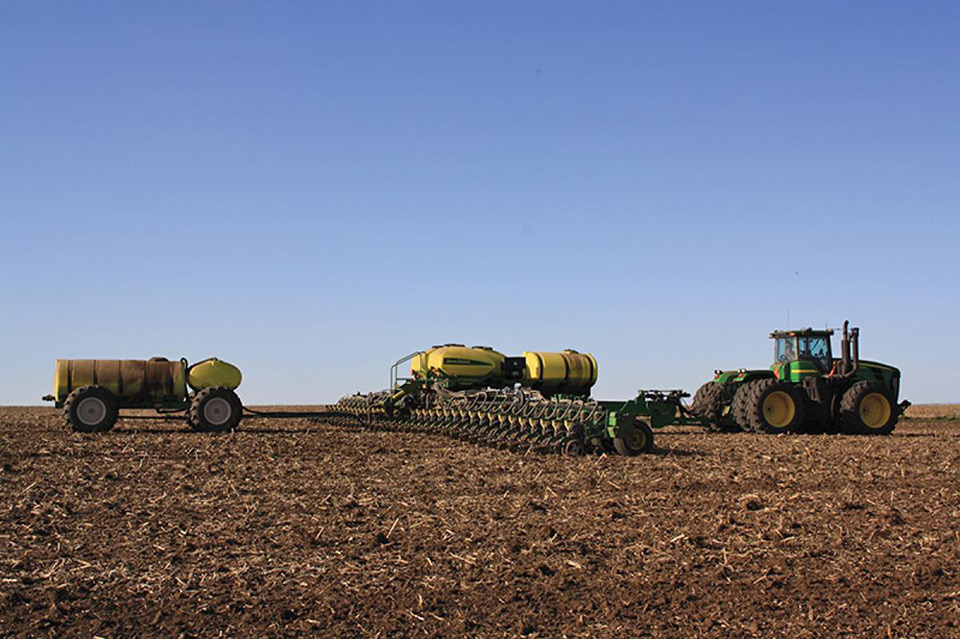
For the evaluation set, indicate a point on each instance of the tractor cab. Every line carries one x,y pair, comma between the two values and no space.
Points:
803,346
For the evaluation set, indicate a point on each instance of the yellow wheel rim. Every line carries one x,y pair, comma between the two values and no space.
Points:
875,410
779,409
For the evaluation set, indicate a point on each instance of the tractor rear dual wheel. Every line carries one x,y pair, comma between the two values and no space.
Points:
867,408
769,406
215,410
708,405
90,409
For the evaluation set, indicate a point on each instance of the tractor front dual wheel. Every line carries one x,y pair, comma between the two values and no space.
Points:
215,410
90,409
768,406
867,408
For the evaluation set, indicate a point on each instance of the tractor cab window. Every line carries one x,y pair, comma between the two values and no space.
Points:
786,349
816,348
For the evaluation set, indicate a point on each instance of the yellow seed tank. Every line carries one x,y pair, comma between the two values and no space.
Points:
568,372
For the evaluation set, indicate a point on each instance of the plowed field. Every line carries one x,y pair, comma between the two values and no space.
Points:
299,528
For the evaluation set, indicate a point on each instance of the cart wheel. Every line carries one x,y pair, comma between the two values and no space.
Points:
186,414
90,409
216,409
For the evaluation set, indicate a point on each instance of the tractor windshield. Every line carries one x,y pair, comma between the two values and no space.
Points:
816,348
786,349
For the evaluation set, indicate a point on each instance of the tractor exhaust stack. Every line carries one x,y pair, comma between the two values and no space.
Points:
851,338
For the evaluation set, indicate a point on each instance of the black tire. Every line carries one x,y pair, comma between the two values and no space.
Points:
738,407
640,441
90,409
769,406
869,408
708,400
190,423
215,410
708,405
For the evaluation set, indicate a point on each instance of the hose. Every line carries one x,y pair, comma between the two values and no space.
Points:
305,415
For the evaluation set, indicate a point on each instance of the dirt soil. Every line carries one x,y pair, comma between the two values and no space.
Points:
298,528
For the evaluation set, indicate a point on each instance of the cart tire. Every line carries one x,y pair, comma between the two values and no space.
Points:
90,409
215,410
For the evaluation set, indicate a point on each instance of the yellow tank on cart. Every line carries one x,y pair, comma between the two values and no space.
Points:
213,372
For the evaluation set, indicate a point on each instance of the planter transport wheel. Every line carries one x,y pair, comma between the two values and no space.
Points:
639,441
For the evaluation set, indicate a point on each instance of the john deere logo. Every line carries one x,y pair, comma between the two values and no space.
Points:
456,361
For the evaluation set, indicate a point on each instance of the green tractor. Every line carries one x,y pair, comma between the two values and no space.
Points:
806,389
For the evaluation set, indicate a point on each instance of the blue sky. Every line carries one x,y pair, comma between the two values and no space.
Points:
312,190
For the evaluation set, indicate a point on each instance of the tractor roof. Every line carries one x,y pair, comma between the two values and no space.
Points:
803,332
